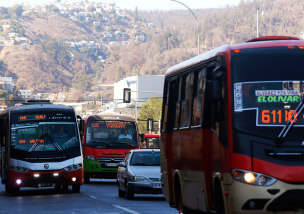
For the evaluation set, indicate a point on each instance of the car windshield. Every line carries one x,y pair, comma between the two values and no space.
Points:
267,84
146,158
111,134
42,133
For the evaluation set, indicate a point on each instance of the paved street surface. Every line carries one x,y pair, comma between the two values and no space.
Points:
100,196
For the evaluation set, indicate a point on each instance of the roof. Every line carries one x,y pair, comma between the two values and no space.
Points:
146,150
35,107
263,42
110,116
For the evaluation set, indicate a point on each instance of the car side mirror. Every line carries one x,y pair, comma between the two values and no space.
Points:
122,164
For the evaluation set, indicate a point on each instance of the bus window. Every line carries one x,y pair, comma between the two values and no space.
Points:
198,104
187,102
177,107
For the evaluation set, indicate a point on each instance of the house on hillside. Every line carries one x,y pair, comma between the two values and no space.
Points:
140,38
6,83
12,35
96,23
8,42
21,40
74,18
107,34
52,97
150,25
3,108
99,10
63,96
6,27
26,94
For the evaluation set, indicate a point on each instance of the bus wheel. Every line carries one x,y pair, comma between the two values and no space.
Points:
129,194
57,188
7,186
14,190
86,178
219,201
76,188
181,208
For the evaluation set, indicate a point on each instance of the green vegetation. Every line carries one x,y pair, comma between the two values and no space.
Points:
152,109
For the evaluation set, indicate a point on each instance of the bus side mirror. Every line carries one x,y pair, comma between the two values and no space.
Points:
122,164
217,74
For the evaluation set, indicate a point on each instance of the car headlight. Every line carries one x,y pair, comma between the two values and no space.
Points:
89,157
252,178
18,169
138,178
73,167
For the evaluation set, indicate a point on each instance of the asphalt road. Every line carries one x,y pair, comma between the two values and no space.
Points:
100,196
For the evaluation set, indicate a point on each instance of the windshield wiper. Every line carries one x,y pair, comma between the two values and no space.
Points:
126,143
102,142
46,135
293,121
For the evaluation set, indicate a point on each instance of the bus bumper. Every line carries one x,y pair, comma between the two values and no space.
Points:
280,197
45,178
93,170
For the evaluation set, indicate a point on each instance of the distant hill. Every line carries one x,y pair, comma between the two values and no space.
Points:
104,47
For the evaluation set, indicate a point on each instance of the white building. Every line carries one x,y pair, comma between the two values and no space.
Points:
143,87
26,94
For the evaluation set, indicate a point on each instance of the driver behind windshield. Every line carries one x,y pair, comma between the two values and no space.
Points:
125,134
59,132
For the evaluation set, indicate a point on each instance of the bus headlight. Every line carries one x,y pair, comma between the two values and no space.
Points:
89,157
18,169
73,167
252,177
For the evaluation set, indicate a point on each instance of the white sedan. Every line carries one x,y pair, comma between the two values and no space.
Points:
139,173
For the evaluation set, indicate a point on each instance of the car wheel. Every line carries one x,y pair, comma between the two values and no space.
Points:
121,193
129,194
76,188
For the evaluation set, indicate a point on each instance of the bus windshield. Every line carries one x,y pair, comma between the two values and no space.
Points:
111,134
32,132
267,84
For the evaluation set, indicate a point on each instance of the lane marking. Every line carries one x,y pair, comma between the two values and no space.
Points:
126,209
93,197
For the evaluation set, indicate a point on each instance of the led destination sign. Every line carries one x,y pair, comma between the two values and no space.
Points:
274,117
32,117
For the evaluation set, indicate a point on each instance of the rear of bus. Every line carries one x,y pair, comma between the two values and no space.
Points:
107,139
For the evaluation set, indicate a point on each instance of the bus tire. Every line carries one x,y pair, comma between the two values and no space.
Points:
219,200
86,178
14,190
57,188
7,186
129,194
76,188
181,208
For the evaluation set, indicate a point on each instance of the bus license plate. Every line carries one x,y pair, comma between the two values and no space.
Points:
112,164
156,185
46,184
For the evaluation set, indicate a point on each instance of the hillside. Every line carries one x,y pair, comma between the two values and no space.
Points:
102,44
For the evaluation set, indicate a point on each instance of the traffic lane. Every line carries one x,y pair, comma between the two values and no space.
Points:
142,203
47,200
98,197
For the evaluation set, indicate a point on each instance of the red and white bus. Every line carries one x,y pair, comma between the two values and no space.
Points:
150,141
107,138
40,147
232,129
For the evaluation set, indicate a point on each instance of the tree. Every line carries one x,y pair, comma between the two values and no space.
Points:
3,93
152,109
16,10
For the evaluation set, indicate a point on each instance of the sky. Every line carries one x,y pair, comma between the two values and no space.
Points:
142,4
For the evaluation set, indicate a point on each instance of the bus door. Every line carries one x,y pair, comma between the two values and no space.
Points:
2,147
